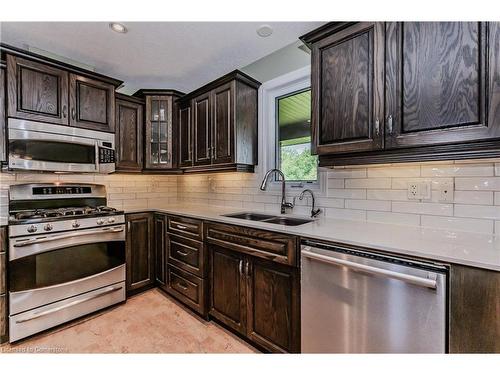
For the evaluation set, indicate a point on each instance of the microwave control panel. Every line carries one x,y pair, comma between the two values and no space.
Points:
106,155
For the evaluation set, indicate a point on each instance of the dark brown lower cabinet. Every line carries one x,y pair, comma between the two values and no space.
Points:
139,251
160,246
228,288
474,310
257,298
273,306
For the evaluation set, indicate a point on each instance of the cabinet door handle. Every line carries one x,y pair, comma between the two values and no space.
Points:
181,227
182,253
65,111
377,127
389,124
241,267
247,268
73,114
182,286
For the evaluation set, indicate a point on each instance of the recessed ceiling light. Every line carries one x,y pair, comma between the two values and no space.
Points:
264,31
118,27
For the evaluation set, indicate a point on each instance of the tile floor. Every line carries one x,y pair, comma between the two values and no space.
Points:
148,323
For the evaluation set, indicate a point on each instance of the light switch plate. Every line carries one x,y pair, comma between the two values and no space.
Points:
446,192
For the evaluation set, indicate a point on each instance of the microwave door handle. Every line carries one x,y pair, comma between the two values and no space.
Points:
97,167
70,235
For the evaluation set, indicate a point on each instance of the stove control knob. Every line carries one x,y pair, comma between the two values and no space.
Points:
75,224
48,227
32,229
100,221
111,220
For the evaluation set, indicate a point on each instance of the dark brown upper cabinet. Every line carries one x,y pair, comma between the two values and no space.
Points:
221,126
3,144
128,133
202,130
437,83
439,100
160,128
185,134
45,90
92,103
37,91
223,118
347,89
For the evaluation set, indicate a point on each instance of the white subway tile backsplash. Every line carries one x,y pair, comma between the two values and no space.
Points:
402,183
375,193
482,212
473,197
387,195
423,208
407,171
479,183
458,170
369,205
460,224
368,183
393,218
347,173
346,214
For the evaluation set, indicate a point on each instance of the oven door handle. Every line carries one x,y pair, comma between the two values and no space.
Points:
70,235
77,302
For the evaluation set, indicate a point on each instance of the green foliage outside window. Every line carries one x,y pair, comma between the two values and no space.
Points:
297,163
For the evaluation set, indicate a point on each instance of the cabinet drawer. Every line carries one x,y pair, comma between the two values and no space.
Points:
186,254
186,227
260,243
187,288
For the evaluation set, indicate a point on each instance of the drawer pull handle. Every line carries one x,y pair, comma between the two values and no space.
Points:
182,286
182,227
182,253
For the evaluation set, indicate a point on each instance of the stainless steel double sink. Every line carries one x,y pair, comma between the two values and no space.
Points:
272,219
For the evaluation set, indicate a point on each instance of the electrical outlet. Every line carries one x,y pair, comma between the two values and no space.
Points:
413,190
419,190
446,192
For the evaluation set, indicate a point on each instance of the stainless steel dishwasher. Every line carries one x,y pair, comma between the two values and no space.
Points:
362,302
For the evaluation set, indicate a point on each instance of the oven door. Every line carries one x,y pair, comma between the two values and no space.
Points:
50,268
41,151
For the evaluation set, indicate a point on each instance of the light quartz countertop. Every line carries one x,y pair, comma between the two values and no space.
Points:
472,249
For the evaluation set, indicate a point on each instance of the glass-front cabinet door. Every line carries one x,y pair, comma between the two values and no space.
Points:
159,132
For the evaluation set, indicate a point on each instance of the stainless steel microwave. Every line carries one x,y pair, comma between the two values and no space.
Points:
38,146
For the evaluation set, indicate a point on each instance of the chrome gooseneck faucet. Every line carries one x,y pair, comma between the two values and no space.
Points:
314,212
284,203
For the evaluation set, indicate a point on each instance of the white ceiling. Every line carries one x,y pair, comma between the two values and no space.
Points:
177,55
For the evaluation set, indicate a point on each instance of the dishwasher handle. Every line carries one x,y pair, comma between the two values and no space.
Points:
420,281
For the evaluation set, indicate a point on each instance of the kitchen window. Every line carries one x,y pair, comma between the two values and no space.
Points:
285,131
293,138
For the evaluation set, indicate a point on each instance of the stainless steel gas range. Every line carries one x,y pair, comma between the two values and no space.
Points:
66,255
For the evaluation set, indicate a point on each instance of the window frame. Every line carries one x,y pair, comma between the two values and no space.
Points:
298,80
